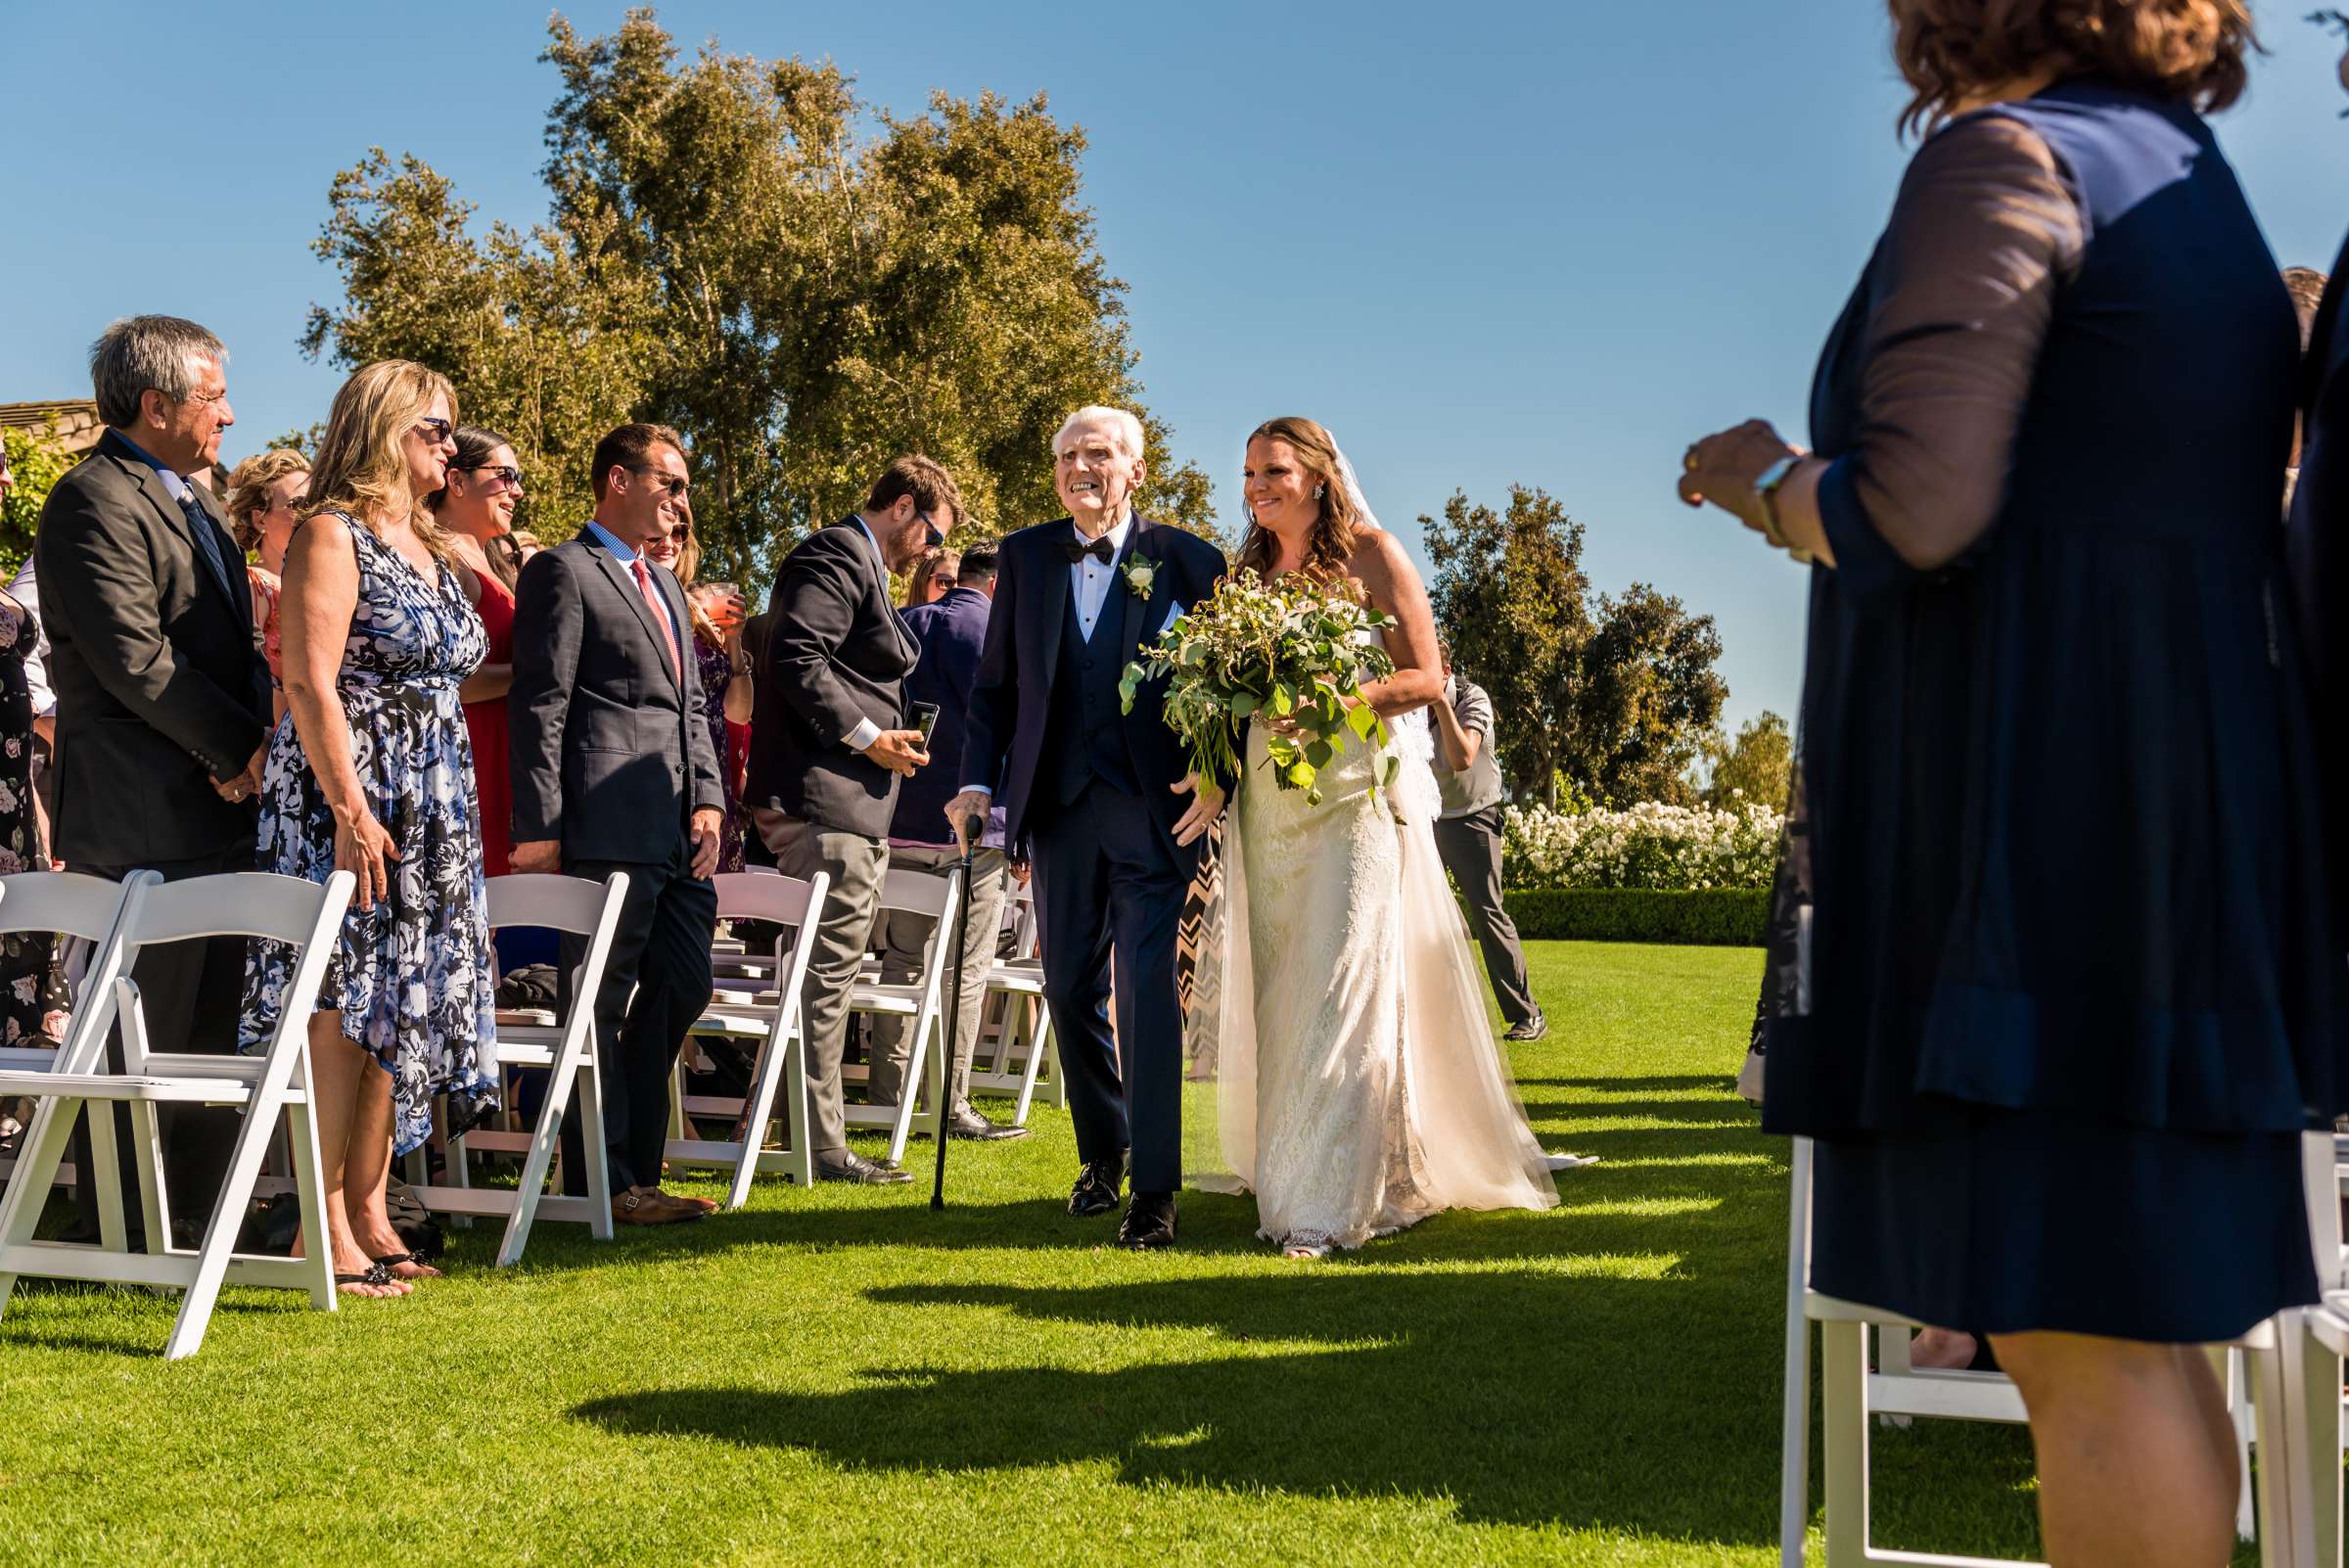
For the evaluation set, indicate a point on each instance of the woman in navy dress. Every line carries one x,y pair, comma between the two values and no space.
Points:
371,771
2070,1003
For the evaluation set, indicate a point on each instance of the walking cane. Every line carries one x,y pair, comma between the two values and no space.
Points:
965,833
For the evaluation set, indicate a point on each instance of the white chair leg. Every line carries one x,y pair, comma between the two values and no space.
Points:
589,1087
39,1153
1035,1027
1843,1385
310,1193
105,1171
901,1129
146,1148
2283,1528
220,1235
2237,1383
544,1141
756,1113
795,1105
1794,1425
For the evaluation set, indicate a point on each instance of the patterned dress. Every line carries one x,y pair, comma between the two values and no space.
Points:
30,987
716,670
412,976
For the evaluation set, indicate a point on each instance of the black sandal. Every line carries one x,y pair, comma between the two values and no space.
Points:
375,1273
392,1259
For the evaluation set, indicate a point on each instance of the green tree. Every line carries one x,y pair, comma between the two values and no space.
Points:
1512,601
725,254
37,463
1646,699
1757,767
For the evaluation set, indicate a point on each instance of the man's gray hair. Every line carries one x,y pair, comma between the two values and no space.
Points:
1127,430
142,352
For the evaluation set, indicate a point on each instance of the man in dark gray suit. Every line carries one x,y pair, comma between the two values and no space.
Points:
614,771
163,698
829,743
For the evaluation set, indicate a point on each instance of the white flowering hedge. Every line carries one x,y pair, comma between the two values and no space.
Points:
1663,847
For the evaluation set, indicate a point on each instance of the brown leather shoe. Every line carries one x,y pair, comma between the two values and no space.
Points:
650,1206
704,1205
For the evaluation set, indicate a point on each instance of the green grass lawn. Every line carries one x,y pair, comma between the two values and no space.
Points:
843,1378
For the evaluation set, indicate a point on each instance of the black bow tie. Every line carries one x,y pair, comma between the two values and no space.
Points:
1099,549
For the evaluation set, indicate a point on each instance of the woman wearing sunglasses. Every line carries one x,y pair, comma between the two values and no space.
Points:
476,513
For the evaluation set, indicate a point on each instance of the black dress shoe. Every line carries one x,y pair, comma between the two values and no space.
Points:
965,1122
850,1166
1532,1028
1149,1221
1096,1188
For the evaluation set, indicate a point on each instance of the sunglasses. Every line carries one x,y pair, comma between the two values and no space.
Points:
505,474
670,483
936,537
435,431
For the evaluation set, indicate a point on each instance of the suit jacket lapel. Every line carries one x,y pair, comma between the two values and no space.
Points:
1053,602
151,485
1137,607
876,587
626,581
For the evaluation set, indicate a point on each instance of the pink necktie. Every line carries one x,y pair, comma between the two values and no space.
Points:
668,636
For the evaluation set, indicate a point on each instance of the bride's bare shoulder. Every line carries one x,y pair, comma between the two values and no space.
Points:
1379,558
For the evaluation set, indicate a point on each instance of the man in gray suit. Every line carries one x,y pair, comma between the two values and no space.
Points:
163,698
829,743
614,771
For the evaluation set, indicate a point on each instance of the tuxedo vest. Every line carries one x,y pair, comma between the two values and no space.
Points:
1085,738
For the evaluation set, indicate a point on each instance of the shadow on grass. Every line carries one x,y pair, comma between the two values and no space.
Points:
1521,1396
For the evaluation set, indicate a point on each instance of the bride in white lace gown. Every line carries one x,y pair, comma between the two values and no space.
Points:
1358,1086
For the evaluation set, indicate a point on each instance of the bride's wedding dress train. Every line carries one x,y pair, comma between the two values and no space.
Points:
1358,1086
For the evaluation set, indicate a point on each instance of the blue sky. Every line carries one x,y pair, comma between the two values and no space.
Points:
1534,244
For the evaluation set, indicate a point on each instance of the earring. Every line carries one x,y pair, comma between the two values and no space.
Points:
1316,492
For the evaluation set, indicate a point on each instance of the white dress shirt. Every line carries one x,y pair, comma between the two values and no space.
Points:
1091,577
25,589
1090,581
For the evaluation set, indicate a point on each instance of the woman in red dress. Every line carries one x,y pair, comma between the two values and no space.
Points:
477,510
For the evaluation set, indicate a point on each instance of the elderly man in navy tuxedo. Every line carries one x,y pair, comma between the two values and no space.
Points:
951,633
1101,800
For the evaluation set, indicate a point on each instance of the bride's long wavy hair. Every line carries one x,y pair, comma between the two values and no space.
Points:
1330,545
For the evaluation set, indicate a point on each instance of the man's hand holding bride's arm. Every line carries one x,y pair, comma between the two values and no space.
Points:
1207,803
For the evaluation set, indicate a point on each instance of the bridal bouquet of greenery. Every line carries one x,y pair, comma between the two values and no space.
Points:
1292,656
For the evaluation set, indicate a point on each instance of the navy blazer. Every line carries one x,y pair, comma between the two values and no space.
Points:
953,634
2317,548
1011,701
610,750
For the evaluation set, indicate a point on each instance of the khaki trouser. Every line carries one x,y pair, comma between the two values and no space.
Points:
902,939
856,864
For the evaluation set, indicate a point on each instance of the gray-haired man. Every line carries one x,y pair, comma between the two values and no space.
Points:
163,700
1468,837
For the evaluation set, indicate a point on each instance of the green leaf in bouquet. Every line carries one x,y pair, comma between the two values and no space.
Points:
1300,775
1245,703
1387,775
1127,684
1362,718
1318,753
1284,702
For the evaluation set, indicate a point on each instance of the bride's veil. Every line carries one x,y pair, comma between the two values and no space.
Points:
1475,1148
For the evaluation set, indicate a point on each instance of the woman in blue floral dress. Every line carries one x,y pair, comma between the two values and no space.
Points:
372,772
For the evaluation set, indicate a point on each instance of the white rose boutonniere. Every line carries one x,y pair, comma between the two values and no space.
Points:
1141,576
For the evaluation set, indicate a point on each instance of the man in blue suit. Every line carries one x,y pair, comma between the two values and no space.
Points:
1100,800
951,633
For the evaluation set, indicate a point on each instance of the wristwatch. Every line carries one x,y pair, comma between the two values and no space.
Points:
1766,489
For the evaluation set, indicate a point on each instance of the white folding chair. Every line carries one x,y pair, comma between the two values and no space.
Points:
921,1001
306,917
1852,1394
1021,1023
757,1000
87,916
577,907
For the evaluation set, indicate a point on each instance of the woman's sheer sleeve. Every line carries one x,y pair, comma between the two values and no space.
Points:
1985,230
